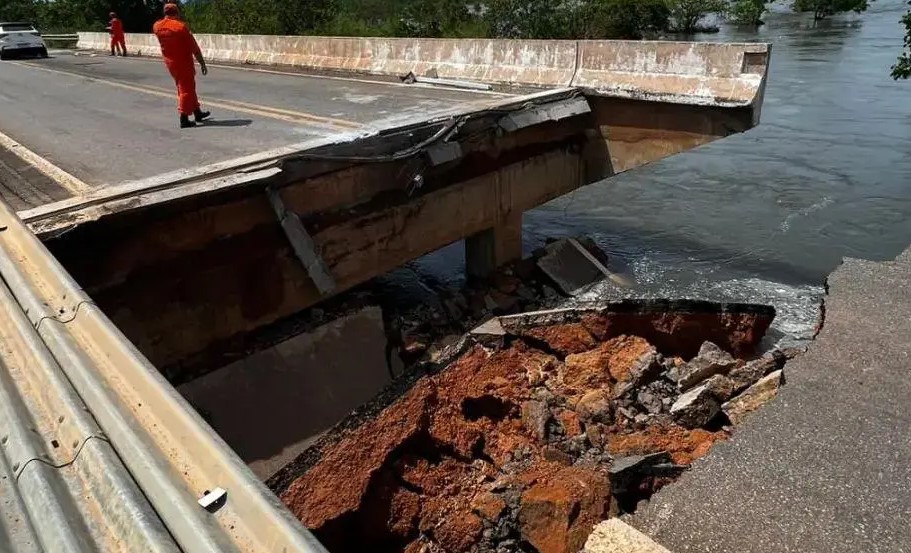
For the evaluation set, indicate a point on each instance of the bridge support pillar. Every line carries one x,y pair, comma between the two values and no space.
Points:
494,247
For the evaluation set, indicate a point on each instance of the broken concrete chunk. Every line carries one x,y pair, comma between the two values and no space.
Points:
721,387
615,536
571,266
714,354
754,397
745,376
492,327
696,407
641,372
649,401
623,466
710,361
627,412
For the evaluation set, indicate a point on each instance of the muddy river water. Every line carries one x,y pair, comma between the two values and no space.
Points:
766,215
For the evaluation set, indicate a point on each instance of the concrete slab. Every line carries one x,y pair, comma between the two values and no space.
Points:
270,406
107,120
826,466
570,266
616,536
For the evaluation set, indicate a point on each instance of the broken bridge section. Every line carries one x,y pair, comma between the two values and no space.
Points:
224,250
523,444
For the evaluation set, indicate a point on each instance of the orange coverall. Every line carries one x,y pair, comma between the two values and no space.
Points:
178,47
117,36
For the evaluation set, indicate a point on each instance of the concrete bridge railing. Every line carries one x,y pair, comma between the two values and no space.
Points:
708,74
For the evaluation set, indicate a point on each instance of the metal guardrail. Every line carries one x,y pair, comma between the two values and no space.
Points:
98,452
72,36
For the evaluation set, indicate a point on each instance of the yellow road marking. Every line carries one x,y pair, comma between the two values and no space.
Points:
72,184
242,107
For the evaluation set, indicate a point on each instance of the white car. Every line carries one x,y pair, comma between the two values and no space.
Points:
17,39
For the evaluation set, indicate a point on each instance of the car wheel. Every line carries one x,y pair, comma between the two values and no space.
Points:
3,55
43,52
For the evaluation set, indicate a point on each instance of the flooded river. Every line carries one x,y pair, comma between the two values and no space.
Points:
766,215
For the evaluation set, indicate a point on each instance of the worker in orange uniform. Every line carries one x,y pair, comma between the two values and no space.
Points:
118,38
178,48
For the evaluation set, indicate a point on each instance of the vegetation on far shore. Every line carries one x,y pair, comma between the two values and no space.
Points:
572,19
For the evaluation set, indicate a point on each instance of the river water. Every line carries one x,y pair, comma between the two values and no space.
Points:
766,215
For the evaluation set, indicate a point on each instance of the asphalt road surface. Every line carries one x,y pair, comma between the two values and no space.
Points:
104,121
826,466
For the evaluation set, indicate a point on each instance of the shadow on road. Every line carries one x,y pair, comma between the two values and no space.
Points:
227,123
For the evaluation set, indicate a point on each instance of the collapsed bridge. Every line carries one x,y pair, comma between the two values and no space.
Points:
329,172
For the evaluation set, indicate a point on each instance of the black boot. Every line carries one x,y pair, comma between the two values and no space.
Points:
185,122
201,115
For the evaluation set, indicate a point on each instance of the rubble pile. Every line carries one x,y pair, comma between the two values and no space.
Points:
525,445
543,280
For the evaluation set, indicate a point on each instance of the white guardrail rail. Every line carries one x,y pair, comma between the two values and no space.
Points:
73,36
98,452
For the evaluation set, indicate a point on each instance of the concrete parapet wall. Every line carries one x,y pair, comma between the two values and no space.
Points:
525,62
725,74
712,74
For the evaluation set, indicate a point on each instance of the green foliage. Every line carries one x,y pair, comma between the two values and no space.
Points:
81,15
747,12
902,67
233,17
824,8
542,19
628,19
686,14
19,10
631,19
433,18
526,19
264,17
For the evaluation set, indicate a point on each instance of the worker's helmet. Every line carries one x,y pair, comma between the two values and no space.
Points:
113,15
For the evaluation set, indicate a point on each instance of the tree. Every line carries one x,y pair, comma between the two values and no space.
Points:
526,19
687,14
747,12
298,17
824,8
626,19
19,10
434,18
902,68
574,19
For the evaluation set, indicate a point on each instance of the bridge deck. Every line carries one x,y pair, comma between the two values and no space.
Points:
106,121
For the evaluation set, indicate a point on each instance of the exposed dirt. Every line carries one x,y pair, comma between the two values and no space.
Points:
512,450
683,445
526,440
